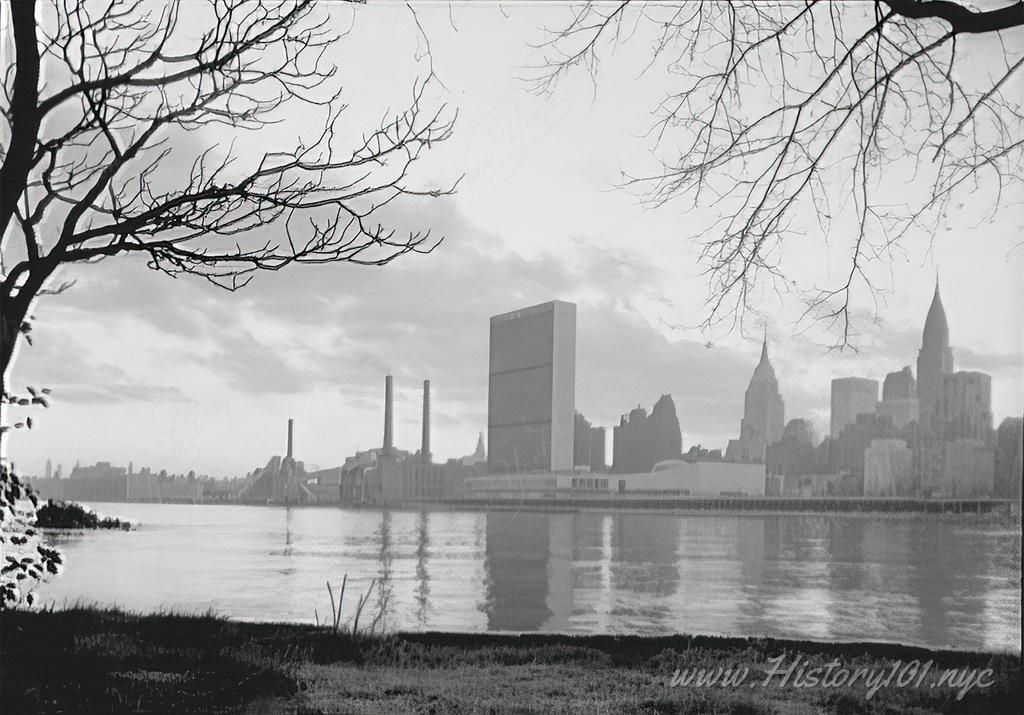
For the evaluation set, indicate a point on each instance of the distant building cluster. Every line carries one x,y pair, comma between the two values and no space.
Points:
929,435
103,482
643,440
540,447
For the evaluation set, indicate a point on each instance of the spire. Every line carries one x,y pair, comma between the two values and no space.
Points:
764,370
936,329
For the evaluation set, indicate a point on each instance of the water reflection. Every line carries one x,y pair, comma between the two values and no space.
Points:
935,582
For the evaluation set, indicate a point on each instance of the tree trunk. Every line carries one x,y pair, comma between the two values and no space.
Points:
13,312
12,315
24,110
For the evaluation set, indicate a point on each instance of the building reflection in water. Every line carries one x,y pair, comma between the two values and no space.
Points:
517,565
644,572
422,575
801,576
794,591
384,587
935,581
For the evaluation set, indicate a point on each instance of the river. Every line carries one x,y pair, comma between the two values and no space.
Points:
924,580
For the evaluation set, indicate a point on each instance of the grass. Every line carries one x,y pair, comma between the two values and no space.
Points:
68,515
94,660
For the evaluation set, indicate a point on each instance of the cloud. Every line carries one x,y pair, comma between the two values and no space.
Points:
968,359
327,334
64,362
112,394
331,332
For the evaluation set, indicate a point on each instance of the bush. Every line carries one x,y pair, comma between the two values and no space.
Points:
68,515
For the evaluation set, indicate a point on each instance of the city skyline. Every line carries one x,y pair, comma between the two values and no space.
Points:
178,373
416,428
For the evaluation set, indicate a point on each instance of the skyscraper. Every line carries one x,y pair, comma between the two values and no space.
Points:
1009,461
899,398
851,396
934,360
963,408
531,389
764,414
900,385
597,441
581,441
641,440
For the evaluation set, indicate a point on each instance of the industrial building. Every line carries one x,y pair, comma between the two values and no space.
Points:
393,476
282,480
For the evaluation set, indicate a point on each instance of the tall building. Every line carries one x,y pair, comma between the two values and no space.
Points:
851,396
888,468
794,455
581,441
1009,459
598,436
900,385
640,440
963,409
958,468
588,445
899,398
764,414
901,412
531,389
847,450
934,360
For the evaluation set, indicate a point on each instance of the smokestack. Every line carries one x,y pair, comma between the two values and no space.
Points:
291,425
388,405
425,443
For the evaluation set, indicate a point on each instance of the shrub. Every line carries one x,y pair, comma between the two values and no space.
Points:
68,515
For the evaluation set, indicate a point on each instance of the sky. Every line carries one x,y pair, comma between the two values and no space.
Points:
176,374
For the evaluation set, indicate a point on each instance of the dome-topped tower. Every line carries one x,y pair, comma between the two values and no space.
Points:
934,360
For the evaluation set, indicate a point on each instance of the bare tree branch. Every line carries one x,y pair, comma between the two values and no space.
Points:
786,114
85,172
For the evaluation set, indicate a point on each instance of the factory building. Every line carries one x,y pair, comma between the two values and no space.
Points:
389,475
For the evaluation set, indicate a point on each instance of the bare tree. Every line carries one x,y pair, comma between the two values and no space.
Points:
783,112
100,94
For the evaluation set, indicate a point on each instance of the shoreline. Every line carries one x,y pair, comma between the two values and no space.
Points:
92,659
995,510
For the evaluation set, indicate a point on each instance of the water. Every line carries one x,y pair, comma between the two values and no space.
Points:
929,581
